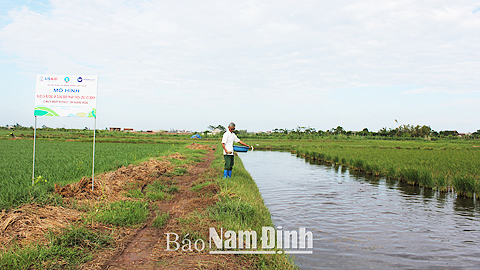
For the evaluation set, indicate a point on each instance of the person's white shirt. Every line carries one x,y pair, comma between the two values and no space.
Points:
228,139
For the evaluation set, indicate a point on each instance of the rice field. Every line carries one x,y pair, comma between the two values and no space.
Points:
61,162
442,164
456,166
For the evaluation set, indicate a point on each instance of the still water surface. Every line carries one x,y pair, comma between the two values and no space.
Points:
366,223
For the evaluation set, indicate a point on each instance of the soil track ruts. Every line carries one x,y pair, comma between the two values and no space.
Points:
146,249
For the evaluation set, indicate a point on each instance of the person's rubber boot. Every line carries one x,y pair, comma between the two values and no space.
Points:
225,173
229,174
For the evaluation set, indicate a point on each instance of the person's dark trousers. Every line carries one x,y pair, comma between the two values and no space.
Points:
229,162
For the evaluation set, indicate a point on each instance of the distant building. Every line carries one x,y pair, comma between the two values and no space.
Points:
176,131
128,130
115,129
214,132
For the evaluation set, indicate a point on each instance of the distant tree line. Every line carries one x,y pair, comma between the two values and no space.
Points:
403,131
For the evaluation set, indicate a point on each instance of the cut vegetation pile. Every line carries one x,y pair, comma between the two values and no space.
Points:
111,185
30,222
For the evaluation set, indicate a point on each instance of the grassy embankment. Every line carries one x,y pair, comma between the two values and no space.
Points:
240,205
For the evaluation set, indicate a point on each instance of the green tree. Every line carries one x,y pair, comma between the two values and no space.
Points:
338,130
364,132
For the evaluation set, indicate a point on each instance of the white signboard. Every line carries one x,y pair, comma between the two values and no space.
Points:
66,95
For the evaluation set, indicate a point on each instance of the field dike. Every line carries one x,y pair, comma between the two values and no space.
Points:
122,223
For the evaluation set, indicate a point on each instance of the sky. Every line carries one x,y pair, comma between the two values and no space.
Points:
261,64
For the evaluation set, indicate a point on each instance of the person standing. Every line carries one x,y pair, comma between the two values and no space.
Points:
227,143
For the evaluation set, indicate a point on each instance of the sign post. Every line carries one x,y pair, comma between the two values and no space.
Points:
66,95
34,143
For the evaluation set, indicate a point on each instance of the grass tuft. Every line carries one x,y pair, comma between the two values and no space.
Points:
160,220
124,213
72,247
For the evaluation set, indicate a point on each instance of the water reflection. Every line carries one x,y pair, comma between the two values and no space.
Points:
365,222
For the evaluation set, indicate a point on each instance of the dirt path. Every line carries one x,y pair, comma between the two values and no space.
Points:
137,253
146,249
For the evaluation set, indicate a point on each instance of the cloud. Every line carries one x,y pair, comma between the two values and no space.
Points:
465,103
430,90
284,52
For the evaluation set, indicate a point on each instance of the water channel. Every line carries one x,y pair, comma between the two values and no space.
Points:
366,223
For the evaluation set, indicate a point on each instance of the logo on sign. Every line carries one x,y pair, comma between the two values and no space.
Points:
48,79
66,79
79,79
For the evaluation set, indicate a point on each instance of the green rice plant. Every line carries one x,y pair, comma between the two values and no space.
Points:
464,185
367,168
425,178
124,213
390,172
358,164
410,175
440,182
477,187
391,158
371,168
61,162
